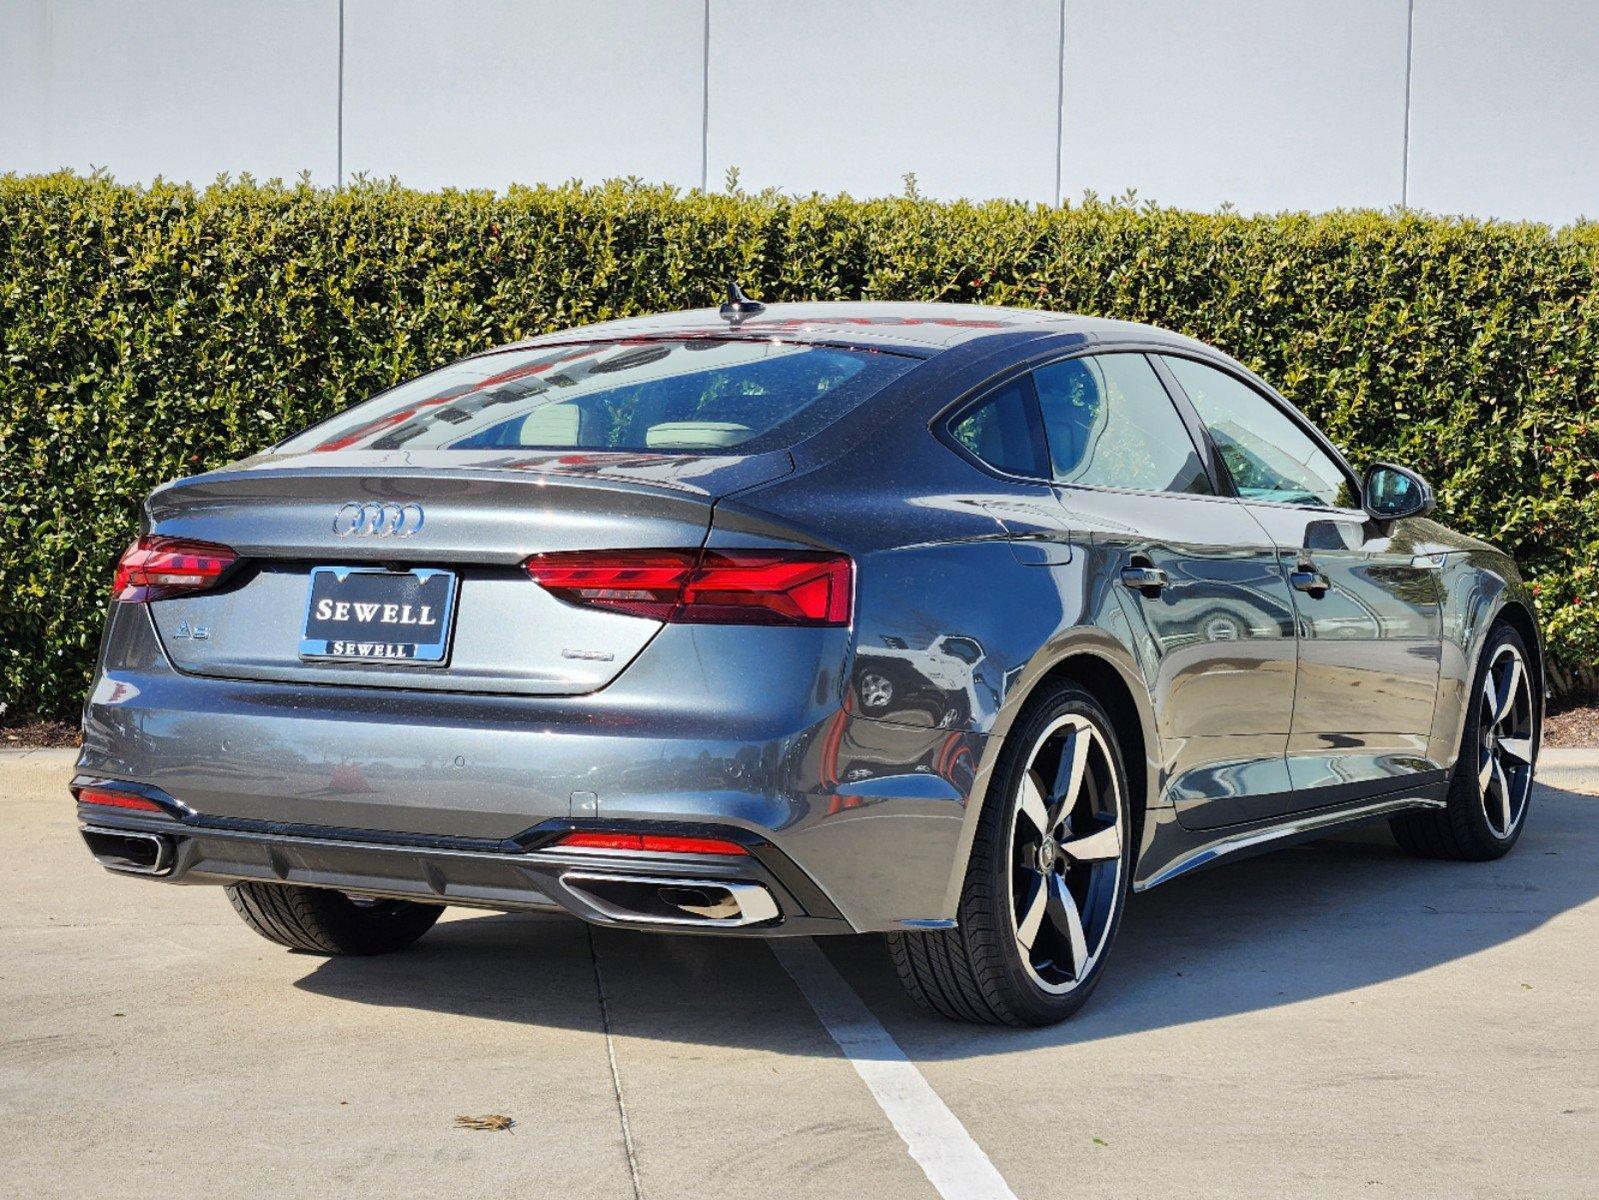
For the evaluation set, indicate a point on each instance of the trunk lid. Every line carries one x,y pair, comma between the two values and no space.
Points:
475,517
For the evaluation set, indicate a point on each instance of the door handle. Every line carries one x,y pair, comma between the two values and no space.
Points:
1148,580
1308,579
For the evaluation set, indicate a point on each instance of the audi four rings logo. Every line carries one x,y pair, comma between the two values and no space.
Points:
372,519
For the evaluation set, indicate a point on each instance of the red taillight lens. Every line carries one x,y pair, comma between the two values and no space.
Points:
723,587
769,588
659,843
107,799
645,583
156,567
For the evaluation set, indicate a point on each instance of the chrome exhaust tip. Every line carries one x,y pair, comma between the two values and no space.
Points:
706,903
129,851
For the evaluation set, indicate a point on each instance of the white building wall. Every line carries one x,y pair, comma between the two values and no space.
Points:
1288,104
1265,104
1505,118
473,93
179,88
850,95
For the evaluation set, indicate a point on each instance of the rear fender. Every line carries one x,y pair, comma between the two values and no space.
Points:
1072,654
959,625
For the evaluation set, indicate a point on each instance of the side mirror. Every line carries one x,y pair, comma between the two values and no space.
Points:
1391,493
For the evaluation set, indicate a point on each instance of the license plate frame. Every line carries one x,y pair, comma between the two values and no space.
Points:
412,594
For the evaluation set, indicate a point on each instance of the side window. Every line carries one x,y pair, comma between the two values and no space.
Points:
1002,429
1268,455
1110,423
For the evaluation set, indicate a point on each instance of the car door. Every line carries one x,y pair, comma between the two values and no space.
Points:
1199,582
1368,609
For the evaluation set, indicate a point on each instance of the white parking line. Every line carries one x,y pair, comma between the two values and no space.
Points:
616,1075
955,1165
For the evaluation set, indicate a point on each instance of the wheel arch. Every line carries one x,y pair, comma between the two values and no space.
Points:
1520,618
1112,690
1481,588
1099,663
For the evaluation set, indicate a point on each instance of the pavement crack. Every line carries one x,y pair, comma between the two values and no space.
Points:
616,1075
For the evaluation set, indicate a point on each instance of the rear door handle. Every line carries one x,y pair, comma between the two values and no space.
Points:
1310,580
1148,580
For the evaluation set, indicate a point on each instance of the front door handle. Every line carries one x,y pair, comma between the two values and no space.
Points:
1148,580
1308,579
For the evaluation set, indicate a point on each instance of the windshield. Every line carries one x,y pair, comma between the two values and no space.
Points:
693,395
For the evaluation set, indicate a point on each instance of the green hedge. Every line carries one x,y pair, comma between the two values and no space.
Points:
148,333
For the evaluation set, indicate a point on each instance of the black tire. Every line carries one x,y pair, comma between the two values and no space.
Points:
322,921
976,972
1461,831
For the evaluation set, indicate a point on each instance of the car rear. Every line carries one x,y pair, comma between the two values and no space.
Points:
466,643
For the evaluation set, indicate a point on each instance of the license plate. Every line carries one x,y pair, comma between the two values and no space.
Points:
370,614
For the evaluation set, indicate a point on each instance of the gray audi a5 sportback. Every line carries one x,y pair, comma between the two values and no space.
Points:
949,622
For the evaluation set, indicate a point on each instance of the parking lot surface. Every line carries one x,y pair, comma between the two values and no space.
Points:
1335,1020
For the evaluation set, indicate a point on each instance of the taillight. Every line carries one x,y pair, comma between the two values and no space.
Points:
645,583
105,799
154,568
659,843
722,587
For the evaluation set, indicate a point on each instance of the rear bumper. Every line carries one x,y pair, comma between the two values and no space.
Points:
740,729
762,893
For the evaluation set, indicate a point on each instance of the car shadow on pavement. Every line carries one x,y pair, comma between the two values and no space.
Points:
1274,930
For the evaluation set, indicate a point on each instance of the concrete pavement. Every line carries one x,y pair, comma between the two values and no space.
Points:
1337,1020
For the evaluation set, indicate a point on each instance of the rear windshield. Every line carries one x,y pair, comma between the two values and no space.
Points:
690,396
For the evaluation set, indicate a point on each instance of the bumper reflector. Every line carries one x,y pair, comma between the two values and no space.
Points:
107,799
657,843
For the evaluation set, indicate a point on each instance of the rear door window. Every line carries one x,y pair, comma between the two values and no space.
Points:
1110,423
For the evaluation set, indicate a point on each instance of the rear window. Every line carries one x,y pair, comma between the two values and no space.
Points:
689,396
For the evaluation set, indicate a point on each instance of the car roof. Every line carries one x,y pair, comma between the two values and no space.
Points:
920,329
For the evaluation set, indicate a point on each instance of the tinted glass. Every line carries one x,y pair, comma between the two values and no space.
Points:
1110,423
1001,430
1268,455
697,395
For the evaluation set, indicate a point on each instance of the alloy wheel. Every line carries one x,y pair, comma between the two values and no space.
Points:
1065,855
1505,741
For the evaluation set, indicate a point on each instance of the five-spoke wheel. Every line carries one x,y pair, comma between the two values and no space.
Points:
1048,874
1065,854
1505,740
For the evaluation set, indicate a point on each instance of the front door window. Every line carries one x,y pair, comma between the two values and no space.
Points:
1265,451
